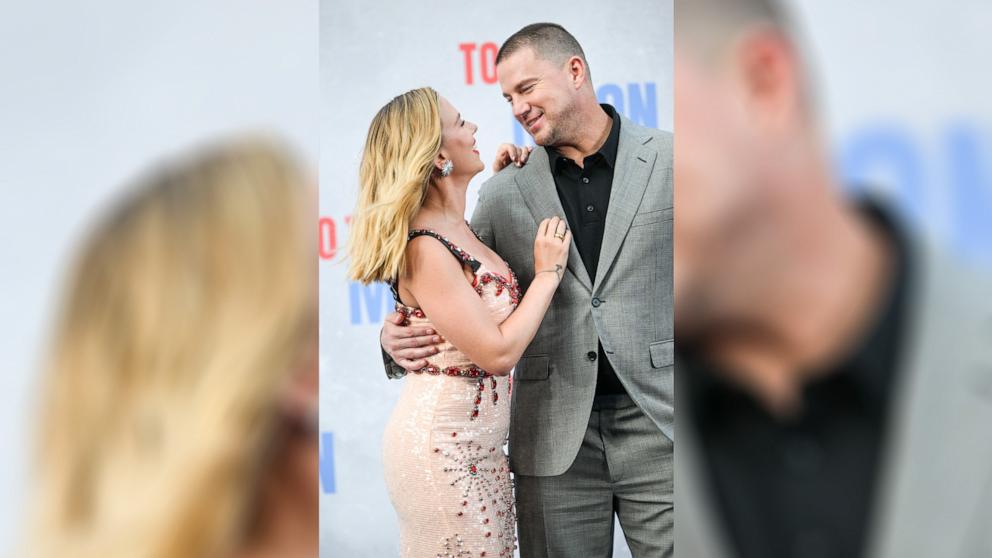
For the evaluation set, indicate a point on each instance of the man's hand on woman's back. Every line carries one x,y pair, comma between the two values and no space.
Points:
408,346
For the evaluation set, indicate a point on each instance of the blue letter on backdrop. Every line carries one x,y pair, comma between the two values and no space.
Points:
643,105
971,187
886,154
327,462
375,298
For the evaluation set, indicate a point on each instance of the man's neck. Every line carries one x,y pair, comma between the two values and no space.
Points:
804,307
591,137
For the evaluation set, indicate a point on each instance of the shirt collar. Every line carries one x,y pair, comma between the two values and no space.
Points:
872,364
871,367
608,150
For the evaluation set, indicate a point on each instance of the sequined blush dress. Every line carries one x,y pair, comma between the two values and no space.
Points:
446,471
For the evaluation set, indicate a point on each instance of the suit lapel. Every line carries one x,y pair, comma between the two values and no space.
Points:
537,187
939,465
630,179
698,529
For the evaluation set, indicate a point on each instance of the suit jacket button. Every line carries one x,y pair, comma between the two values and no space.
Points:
596,302
591,355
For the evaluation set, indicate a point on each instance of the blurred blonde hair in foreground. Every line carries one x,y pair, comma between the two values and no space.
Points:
190,309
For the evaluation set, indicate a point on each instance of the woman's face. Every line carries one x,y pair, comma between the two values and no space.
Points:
458,142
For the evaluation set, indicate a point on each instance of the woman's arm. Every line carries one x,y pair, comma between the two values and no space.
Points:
437,281
508,153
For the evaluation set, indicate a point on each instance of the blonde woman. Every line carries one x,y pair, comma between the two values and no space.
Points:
445,468
178,413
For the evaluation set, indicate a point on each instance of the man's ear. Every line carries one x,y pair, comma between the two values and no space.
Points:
770,77
577,71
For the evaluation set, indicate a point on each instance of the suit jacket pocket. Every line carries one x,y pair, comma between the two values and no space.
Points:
532,368
649,217
662,353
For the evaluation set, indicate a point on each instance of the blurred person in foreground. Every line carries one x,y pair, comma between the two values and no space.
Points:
834,370
179,409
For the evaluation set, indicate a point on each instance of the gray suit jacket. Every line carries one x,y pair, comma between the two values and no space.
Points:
935,496
629,309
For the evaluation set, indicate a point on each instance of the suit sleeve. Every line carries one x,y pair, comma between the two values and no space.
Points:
482,222
393,371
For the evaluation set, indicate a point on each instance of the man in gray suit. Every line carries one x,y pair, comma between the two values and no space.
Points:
592,422
834,371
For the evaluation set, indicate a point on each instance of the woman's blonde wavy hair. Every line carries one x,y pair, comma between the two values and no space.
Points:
188,310
402,144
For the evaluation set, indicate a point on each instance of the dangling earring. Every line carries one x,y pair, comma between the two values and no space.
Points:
447,167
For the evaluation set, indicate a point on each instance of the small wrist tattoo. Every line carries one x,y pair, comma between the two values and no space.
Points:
557,271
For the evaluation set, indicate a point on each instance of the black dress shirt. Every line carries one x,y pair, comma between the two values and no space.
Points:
803,487
585,196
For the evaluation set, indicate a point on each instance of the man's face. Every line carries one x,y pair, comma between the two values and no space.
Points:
541,94
713,168
742,146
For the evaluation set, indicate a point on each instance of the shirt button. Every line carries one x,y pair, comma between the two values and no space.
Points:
590,208
585,180
591,355
596,302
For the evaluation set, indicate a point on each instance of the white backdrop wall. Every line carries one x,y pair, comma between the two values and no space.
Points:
371,52
92,94
905,96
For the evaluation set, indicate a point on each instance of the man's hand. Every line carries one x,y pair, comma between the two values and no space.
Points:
408,346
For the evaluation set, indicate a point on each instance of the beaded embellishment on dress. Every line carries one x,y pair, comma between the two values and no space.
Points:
443,449
480,282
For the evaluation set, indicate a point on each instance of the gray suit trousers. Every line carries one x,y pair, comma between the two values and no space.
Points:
624,468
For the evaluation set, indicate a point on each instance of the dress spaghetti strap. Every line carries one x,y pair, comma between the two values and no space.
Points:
457,252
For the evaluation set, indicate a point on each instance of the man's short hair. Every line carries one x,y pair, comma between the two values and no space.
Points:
710,25
549,41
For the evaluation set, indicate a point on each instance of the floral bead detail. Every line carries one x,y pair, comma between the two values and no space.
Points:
408,312
466,372
454,249
501,284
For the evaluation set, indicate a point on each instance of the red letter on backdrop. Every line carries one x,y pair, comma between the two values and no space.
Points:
328,238
487,58
467,48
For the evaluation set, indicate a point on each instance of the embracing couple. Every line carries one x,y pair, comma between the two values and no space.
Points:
564,277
